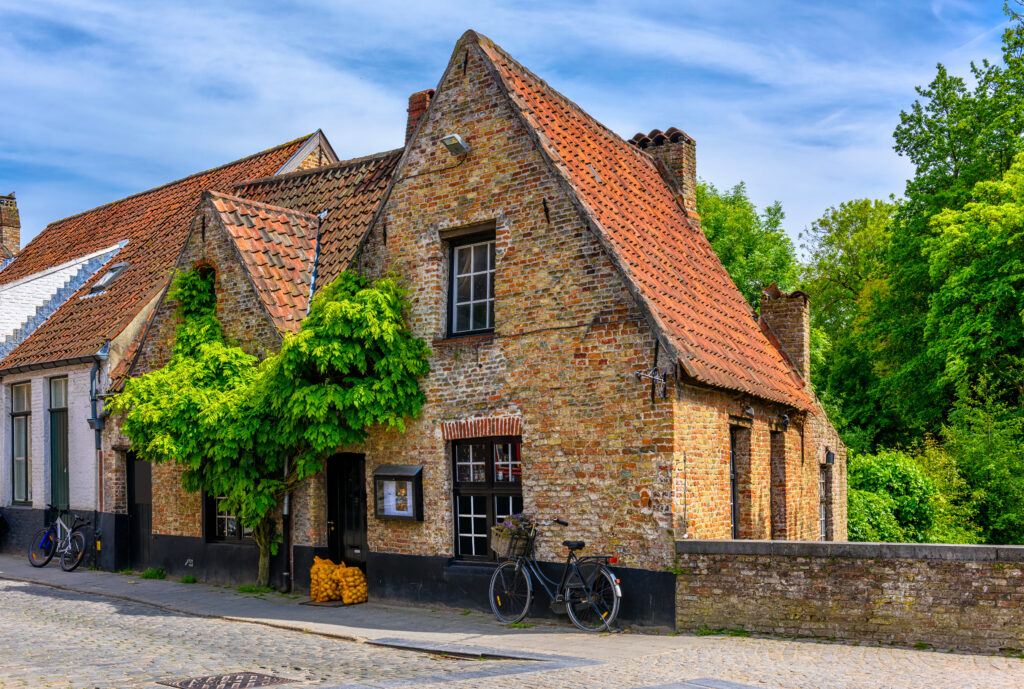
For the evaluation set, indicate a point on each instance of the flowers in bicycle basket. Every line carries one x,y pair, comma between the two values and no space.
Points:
514,525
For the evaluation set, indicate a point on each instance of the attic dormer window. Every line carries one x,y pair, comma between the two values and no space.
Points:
103,283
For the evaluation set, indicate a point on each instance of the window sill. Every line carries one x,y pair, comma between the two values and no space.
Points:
472,564
249,543
472,338
20,505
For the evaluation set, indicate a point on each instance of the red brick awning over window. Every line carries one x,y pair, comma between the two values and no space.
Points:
482,427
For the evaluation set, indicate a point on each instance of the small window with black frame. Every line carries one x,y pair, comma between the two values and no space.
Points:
488,479
223,525
471,294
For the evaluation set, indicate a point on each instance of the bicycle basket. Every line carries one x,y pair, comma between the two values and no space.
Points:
512,546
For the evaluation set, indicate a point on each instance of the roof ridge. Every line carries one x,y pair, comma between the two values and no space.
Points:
573,105
260,204
178,181
314,170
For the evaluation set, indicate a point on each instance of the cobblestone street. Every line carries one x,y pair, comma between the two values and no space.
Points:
53,637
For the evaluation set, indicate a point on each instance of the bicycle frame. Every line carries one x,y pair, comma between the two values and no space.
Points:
63,536
571,565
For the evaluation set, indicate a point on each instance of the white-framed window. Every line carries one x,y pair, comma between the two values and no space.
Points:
471,273
21,442
488,488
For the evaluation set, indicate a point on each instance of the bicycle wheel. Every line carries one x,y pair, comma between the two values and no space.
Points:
75,552
511,592
42,547
594,605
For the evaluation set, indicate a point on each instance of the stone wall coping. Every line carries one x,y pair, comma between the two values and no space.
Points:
892,551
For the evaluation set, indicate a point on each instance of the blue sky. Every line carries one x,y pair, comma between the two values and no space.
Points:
99,100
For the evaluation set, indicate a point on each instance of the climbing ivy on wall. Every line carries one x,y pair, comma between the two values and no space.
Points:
253,430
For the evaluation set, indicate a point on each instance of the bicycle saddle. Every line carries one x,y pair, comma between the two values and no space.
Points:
574,545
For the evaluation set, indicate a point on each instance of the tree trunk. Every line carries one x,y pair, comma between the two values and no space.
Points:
264,534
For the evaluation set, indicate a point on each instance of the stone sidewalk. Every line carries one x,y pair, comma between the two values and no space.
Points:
568,658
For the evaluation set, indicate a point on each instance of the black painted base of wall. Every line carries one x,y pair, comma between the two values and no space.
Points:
648,597
111,533
213,563
22,523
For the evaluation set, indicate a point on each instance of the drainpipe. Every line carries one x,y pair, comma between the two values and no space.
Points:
96,422
286,519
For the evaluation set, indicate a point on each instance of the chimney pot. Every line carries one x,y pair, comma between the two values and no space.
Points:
418,103
677,153
789,318
10,227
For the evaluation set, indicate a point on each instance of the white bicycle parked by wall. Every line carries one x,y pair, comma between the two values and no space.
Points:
59,538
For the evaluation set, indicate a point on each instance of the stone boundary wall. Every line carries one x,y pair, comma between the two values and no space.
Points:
947,596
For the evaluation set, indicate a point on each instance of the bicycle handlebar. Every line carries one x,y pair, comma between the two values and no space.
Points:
560,522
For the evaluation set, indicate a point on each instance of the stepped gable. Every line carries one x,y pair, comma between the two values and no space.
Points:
667,261
350,191
154,224
277,246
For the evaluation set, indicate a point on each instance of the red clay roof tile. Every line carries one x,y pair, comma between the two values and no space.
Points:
277,247
686,289
350,191
155,223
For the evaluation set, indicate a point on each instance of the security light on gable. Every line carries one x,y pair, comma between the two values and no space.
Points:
455,144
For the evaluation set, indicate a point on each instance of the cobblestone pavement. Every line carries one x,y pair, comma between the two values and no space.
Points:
56,638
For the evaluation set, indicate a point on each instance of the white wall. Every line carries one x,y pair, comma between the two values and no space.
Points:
82,463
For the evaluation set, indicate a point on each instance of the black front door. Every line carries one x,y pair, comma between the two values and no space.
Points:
140,510
346,509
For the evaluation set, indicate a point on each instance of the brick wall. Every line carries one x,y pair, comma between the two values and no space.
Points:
949,597
10,225
567,343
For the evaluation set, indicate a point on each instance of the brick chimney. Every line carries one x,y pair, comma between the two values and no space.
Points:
10,227
788,318
418,103
677,153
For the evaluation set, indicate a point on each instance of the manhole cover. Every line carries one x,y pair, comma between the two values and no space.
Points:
234,680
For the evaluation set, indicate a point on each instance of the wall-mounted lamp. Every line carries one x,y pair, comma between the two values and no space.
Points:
748,411
455,144
830,456
784,421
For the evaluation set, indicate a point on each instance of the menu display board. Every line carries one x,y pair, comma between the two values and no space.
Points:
398,491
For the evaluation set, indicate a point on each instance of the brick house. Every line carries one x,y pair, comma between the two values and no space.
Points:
591,357
74,303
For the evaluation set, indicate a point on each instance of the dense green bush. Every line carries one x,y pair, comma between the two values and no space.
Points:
902,485
872,517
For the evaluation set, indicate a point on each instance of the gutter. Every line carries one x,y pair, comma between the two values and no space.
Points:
56,363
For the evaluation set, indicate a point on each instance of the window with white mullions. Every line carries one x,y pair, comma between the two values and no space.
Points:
223,525
472,293
21,424
488,488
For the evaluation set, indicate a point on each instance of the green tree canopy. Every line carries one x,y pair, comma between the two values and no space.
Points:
251,431
752,246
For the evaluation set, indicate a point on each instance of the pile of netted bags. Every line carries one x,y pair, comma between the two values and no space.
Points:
329,582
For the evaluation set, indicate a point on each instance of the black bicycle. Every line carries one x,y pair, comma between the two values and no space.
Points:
588,590
58,537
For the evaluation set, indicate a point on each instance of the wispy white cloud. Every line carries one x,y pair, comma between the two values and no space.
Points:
106,98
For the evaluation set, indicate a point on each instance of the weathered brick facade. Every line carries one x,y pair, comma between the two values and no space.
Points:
632,464
946,596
